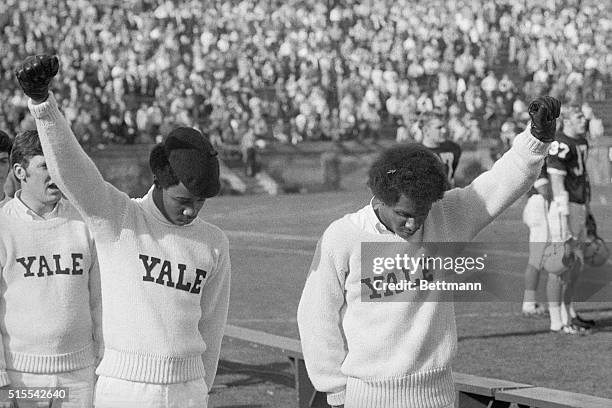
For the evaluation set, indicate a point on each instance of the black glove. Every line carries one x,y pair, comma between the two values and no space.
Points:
35,75
544,112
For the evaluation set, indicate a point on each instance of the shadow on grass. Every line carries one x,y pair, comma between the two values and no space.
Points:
254,374
503,335
601,325
595,309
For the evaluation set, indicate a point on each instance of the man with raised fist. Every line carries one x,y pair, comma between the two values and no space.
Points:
399,352
165,273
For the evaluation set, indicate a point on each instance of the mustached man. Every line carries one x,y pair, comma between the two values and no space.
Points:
50,312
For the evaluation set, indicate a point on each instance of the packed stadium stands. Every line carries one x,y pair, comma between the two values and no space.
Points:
305,69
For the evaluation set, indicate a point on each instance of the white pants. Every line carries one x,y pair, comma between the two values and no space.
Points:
117,393
577,219
535,216
80,385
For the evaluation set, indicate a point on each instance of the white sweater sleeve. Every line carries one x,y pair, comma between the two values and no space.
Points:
95,305
468,210
215,305
4,378
74,172
319,319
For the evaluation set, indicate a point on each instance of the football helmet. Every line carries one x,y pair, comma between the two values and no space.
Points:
559,257
595,250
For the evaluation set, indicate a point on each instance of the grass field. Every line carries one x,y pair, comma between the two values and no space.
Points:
272,241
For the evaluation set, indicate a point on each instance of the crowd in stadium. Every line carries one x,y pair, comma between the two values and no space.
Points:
303,70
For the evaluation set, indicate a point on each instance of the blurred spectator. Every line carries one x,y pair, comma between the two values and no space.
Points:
303,69
402,134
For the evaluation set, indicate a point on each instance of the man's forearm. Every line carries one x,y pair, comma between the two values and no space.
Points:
320,329
215,306
71,169
494,190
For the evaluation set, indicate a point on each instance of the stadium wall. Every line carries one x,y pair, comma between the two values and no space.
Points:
126,167
300,166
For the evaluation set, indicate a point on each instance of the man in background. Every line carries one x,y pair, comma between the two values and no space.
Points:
535,216
5,152
50,313
566,166
435,138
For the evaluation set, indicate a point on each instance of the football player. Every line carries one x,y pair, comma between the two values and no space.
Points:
535,216
435,138
566,166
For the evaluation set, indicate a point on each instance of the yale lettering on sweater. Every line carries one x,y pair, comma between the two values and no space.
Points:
393,287
160,272
39,265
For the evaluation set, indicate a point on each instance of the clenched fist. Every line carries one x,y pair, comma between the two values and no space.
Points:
35,75
544,112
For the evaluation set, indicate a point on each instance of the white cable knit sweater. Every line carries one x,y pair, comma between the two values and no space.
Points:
165,288
50,310
398,354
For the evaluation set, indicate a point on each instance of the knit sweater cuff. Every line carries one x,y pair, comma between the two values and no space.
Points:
52,363
525,140
336,398
427,389
4,378
46,110
150,368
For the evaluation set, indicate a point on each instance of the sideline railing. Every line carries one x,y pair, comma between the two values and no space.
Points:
473,391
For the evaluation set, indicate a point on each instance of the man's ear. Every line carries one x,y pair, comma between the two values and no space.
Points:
20,172
376,203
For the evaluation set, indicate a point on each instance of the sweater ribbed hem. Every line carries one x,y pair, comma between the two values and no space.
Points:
155,369
336,398
50,364
428,389
47,108
4,378
531,143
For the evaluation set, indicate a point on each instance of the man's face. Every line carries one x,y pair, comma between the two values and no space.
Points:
405,217
4,169
181,207
36,184
577,122
435,131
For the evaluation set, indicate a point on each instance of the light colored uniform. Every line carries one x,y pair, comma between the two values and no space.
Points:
577,219
535,216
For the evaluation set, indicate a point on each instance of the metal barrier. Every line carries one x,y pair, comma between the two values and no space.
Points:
473,391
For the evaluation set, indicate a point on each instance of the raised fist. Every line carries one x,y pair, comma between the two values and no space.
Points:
35,75
544,112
